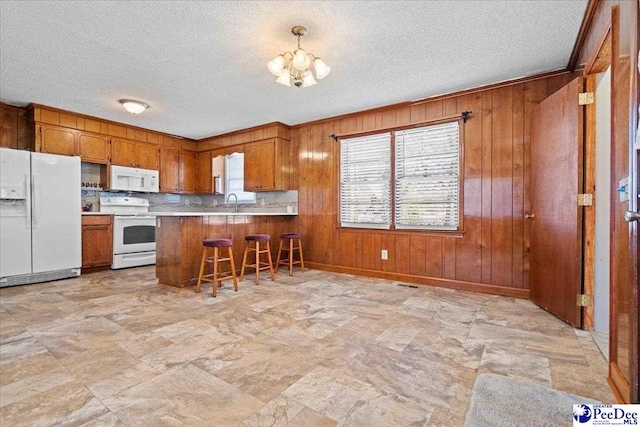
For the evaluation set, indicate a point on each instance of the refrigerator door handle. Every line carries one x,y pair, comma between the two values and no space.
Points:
34,212
27,218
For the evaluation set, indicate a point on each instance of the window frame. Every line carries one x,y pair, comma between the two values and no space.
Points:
392,227
244,201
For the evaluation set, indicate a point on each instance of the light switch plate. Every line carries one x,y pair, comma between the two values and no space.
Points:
384,254
623,189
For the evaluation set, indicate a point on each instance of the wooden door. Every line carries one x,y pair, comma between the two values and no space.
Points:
97,241
94,148
259,166
188,171
147,156
169,170
204,176
556,231
123,153
58,140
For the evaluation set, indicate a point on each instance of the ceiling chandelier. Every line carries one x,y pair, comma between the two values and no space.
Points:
296,66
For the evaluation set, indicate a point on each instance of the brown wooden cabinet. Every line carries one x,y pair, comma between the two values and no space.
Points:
169,170
57,140
135,154
204,176
123,153
147,156
188,171
261,164
94,148
97,240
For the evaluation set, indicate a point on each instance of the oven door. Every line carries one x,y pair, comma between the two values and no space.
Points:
134,234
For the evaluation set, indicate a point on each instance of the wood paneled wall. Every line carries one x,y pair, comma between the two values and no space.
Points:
492,254
14,127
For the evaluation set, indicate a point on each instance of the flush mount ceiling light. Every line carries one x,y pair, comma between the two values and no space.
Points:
133,106
296,66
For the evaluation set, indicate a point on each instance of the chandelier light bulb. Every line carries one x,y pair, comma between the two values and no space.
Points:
322,69
301,60
276,65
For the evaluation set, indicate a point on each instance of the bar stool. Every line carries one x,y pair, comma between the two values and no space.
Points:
259,265
289,260
216,278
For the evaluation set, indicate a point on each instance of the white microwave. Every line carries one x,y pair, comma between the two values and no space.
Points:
134,179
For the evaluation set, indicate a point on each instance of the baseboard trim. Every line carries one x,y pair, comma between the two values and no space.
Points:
427,281
618,383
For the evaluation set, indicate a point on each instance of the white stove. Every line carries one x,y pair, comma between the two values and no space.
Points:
134,233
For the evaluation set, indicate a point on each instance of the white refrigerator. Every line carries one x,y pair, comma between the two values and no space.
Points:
40,226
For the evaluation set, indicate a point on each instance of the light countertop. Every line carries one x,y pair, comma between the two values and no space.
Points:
95,213
220,214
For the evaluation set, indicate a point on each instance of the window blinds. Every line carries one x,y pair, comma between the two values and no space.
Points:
365,181
427,177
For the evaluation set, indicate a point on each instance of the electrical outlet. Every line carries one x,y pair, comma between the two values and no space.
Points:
385,254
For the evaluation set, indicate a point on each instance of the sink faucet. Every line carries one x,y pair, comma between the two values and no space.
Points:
236,202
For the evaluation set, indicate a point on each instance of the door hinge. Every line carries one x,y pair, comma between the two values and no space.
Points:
585,199
583,300
585,98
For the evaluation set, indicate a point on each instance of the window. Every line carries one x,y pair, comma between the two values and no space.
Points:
416,188
365,181
234,178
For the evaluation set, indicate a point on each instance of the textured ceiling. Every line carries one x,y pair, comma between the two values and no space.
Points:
202,65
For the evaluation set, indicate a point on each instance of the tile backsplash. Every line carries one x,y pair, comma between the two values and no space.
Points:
277,201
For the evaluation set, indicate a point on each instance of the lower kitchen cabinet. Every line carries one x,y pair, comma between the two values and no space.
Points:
97,240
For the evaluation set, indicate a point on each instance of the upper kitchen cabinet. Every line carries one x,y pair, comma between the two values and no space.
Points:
57,140
135,154
169,170
124,153
267,165
204,174
147,156
94,148
188,171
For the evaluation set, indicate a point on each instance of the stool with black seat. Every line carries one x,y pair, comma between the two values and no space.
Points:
259,265
293,238
217,276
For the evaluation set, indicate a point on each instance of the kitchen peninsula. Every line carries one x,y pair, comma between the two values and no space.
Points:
179,238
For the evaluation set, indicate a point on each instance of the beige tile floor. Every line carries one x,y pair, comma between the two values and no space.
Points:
315,349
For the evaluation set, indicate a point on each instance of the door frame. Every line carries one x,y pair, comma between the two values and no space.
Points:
603,55
599,61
